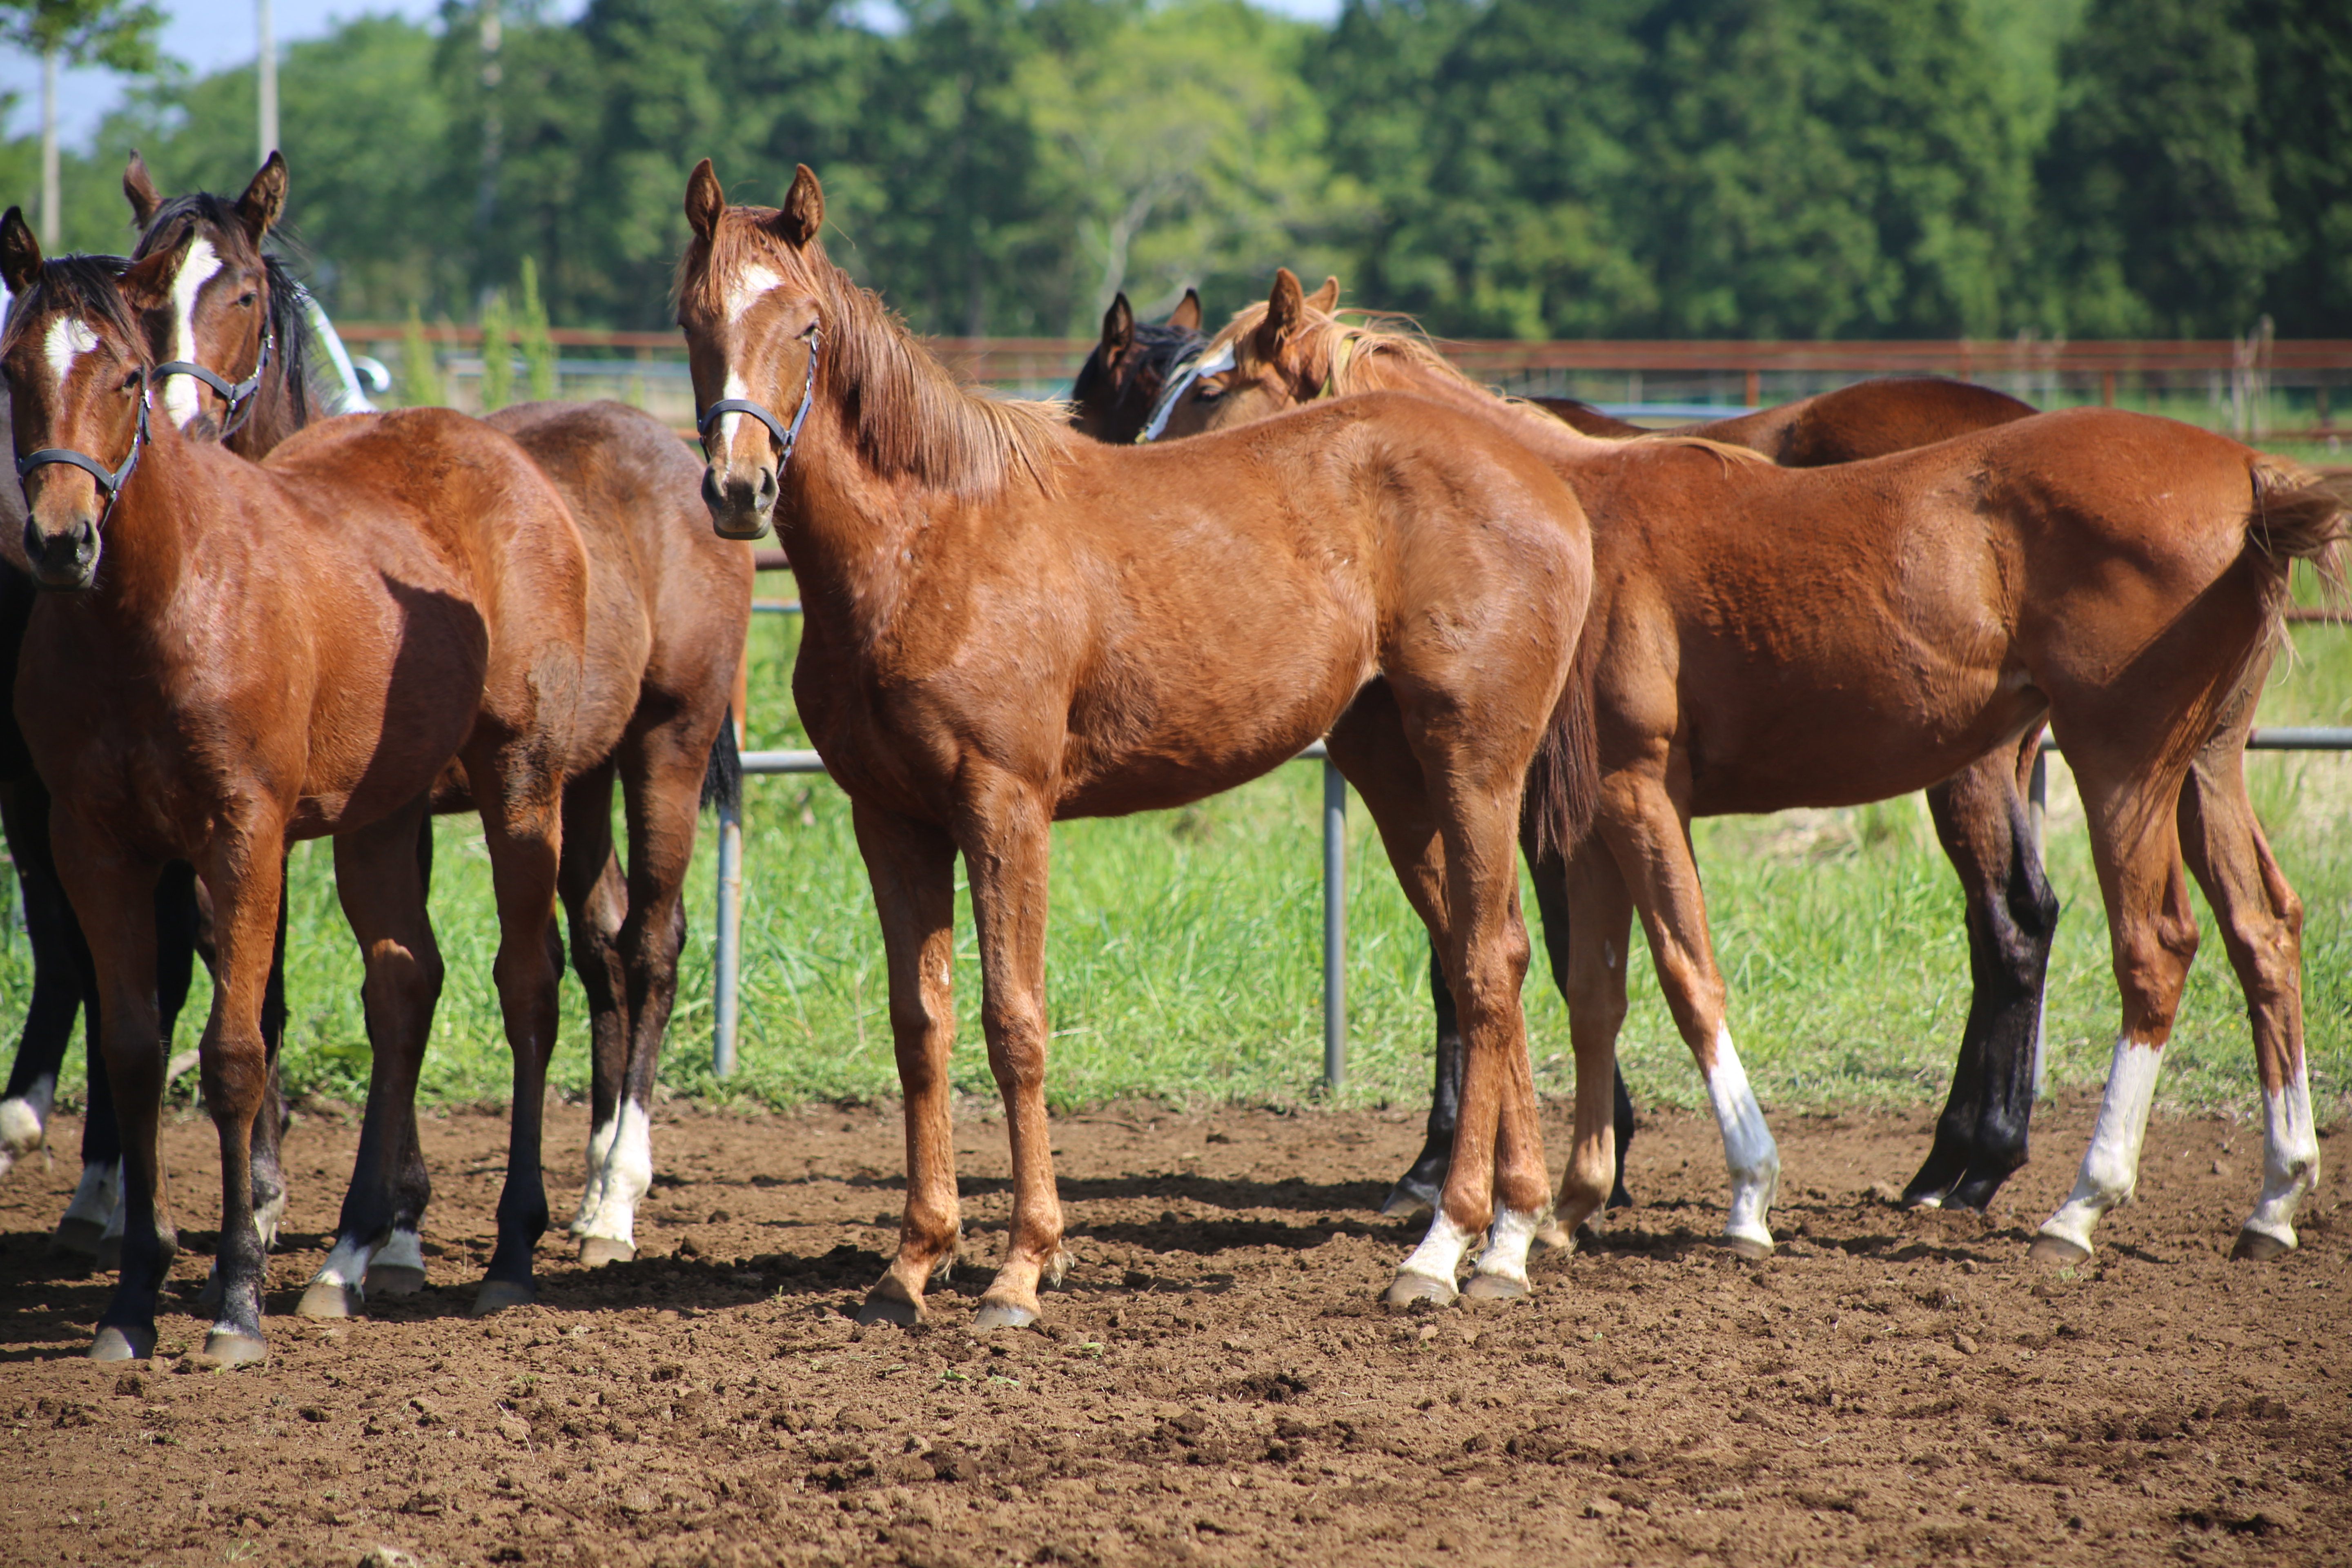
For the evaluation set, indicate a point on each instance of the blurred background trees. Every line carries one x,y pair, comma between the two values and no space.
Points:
1529,168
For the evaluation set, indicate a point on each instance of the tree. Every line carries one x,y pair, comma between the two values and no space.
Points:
117,34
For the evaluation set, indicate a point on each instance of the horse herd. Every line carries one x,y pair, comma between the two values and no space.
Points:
1522,631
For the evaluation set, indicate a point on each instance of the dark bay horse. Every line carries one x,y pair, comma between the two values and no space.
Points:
1770,637
1008,625
63,981
668,606
1124,377
232,656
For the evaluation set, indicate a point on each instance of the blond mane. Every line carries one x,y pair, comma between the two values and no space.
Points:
909,415
1354,353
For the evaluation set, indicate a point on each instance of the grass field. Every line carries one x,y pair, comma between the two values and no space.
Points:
1184,961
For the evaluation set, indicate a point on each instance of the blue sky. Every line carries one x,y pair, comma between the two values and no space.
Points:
208,34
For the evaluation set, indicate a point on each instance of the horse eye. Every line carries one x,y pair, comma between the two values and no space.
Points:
1209,392
245,301
131,383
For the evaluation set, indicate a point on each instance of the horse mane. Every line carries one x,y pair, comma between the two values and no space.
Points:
288,323
81,285
909,415
1344,355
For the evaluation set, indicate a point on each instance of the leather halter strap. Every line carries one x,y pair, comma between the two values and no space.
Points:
237,396
110,480
1179,383
787,435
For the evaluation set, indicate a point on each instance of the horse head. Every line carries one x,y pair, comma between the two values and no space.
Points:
1116,389
1268,358
78,370
749,301
210,328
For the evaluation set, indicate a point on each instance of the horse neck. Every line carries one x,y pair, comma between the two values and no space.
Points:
1555,440
272,420
844,527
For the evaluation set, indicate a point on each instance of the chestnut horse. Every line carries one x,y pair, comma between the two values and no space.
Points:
1868,419
668,606
1772,638
388,591
1008,625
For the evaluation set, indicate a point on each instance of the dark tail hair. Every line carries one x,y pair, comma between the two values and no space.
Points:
722,777
1563,789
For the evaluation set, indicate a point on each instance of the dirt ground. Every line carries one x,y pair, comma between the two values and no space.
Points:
1217,1383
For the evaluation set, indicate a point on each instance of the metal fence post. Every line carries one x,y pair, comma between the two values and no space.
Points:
1335,928
727,975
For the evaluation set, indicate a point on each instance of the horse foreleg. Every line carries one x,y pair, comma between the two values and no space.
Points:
379,882
2012,918
60,979
2261,926
912,868
595,904
1585,901
1418,1188
1004,829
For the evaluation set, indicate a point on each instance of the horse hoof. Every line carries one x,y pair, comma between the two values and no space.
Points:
122,1345
224,1347
1557,1237
2057,1249
596,1251
394,1278
1409,1290
77,1238
2259,1246
1495,1287
1403,1203
498,1295
995,1315
1752,1248
331,1299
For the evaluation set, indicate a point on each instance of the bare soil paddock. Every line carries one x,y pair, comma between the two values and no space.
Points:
1216,1384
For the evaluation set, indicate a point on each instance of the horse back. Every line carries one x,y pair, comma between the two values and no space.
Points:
1868,419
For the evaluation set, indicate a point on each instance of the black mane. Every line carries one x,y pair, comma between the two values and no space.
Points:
83,285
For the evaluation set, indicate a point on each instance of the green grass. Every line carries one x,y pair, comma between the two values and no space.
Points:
1184,955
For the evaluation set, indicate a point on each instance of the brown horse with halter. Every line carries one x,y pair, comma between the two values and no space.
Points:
668,606
260,653
1007,625
1771,638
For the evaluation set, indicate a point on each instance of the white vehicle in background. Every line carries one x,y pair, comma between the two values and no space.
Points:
360,377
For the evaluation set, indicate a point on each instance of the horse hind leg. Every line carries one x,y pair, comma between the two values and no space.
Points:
595,902
2261,921
1416,1191
2153,935
2012,917
60,977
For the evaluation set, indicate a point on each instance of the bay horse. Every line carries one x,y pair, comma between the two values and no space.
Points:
267,410
1123,377
1771,638
231,656
669,604
1007,625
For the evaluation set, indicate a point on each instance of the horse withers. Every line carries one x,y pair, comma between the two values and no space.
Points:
388,592
1008,625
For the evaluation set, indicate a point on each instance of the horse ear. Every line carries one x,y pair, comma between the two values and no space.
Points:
706,204
265,198
1187,313
137,184
20,253
804,209
146,284
1286,312
1119,328
1324,297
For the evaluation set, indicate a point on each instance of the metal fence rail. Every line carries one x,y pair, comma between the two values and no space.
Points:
727,969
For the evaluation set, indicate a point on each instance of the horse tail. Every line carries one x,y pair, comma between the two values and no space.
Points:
722,777
2296,515
1563,791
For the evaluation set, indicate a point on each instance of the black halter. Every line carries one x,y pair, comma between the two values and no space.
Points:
238,396
787,436
110,480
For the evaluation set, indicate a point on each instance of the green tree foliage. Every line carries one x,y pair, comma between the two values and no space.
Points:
117,34
1511,167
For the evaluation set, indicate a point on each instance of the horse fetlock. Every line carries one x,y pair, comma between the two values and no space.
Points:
1748,1229
398,1268
1504,1263
23,1121
1428,1275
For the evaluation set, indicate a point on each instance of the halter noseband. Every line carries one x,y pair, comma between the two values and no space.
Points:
110,480
238,398
787,436
1191,369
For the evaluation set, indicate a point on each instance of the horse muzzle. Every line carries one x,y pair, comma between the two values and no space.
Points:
65,558
740,508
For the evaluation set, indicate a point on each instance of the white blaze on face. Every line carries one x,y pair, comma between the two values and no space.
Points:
183,394
1748,1146
743,291
68,337
2111,1166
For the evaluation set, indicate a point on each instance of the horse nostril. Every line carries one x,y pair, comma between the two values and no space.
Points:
767,494
714,495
